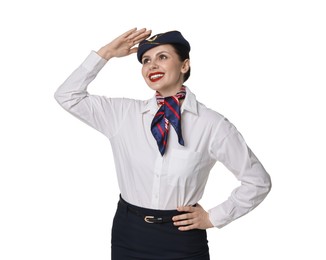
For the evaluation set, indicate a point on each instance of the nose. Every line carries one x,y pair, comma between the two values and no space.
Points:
153,65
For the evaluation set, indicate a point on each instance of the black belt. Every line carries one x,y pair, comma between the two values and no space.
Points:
147,218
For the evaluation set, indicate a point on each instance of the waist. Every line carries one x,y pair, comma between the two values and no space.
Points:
150,215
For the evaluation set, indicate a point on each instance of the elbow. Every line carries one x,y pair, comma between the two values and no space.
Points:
263,187
57,97
268,183
62,99
266,187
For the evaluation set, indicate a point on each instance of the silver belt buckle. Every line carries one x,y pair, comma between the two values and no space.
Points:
148,219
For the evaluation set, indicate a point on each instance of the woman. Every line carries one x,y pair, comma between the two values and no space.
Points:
164,149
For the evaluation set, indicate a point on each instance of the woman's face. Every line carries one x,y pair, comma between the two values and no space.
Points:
163,71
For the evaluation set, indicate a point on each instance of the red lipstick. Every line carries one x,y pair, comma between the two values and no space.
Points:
156,76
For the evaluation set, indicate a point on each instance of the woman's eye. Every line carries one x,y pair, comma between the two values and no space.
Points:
145,61
163,57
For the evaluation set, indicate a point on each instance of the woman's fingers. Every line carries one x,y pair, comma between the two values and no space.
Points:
136,37
124,44
193,218
140,35
129,32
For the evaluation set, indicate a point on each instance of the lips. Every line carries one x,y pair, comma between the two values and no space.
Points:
153,77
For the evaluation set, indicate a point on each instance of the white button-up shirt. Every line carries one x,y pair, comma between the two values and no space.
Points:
178,178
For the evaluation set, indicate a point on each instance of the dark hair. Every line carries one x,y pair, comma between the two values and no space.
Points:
183,55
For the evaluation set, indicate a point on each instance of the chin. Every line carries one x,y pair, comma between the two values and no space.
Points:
155,87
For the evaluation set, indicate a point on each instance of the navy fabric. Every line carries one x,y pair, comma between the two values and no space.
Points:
169,110
134,239
172,37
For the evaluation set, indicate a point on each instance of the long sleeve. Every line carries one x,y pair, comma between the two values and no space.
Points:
103,114
231,149
137,158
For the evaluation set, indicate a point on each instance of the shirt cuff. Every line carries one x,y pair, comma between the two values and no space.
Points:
94,62
216,222
222,214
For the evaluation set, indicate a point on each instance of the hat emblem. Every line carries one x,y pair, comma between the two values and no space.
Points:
153,38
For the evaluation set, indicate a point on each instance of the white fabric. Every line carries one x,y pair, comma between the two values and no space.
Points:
147,179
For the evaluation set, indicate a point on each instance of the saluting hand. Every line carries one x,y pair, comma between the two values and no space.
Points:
193,218
124,44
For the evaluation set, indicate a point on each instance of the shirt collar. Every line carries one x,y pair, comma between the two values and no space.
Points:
189,104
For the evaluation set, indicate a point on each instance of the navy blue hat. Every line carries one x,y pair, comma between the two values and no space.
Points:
172,37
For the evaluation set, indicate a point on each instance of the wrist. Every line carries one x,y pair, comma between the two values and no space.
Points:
105,53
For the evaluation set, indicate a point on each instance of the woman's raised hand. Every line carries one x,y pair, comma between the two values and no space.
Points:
124,44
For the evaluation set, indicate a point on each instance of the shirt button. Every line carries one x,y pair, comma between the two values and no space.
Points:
157,175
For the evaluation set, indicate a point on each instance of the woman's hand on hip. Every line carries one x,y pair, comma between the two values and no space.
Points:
124,44
193,218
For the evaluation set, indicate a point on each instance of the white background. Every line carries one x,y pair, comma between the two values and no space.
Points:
260,63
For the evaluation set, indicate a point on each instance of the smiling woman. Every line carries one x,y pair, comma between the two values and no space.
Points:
162,170
163,69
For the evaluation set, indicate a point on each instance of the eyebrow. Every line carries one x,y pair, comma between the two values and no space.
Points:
157,54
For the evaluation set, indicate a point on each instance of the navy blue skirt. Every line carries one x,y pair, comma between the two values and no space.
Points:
134,238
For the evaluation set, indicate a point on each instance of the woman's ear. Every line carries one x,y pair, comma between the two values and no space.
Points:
185,66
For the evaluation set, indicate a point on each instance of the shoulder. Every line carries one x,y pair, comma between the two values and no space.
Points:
208,113
219,123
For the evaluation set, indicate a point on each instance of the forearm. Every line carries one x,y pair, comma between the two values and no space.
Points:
232,150
252,191
74,88
72,95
